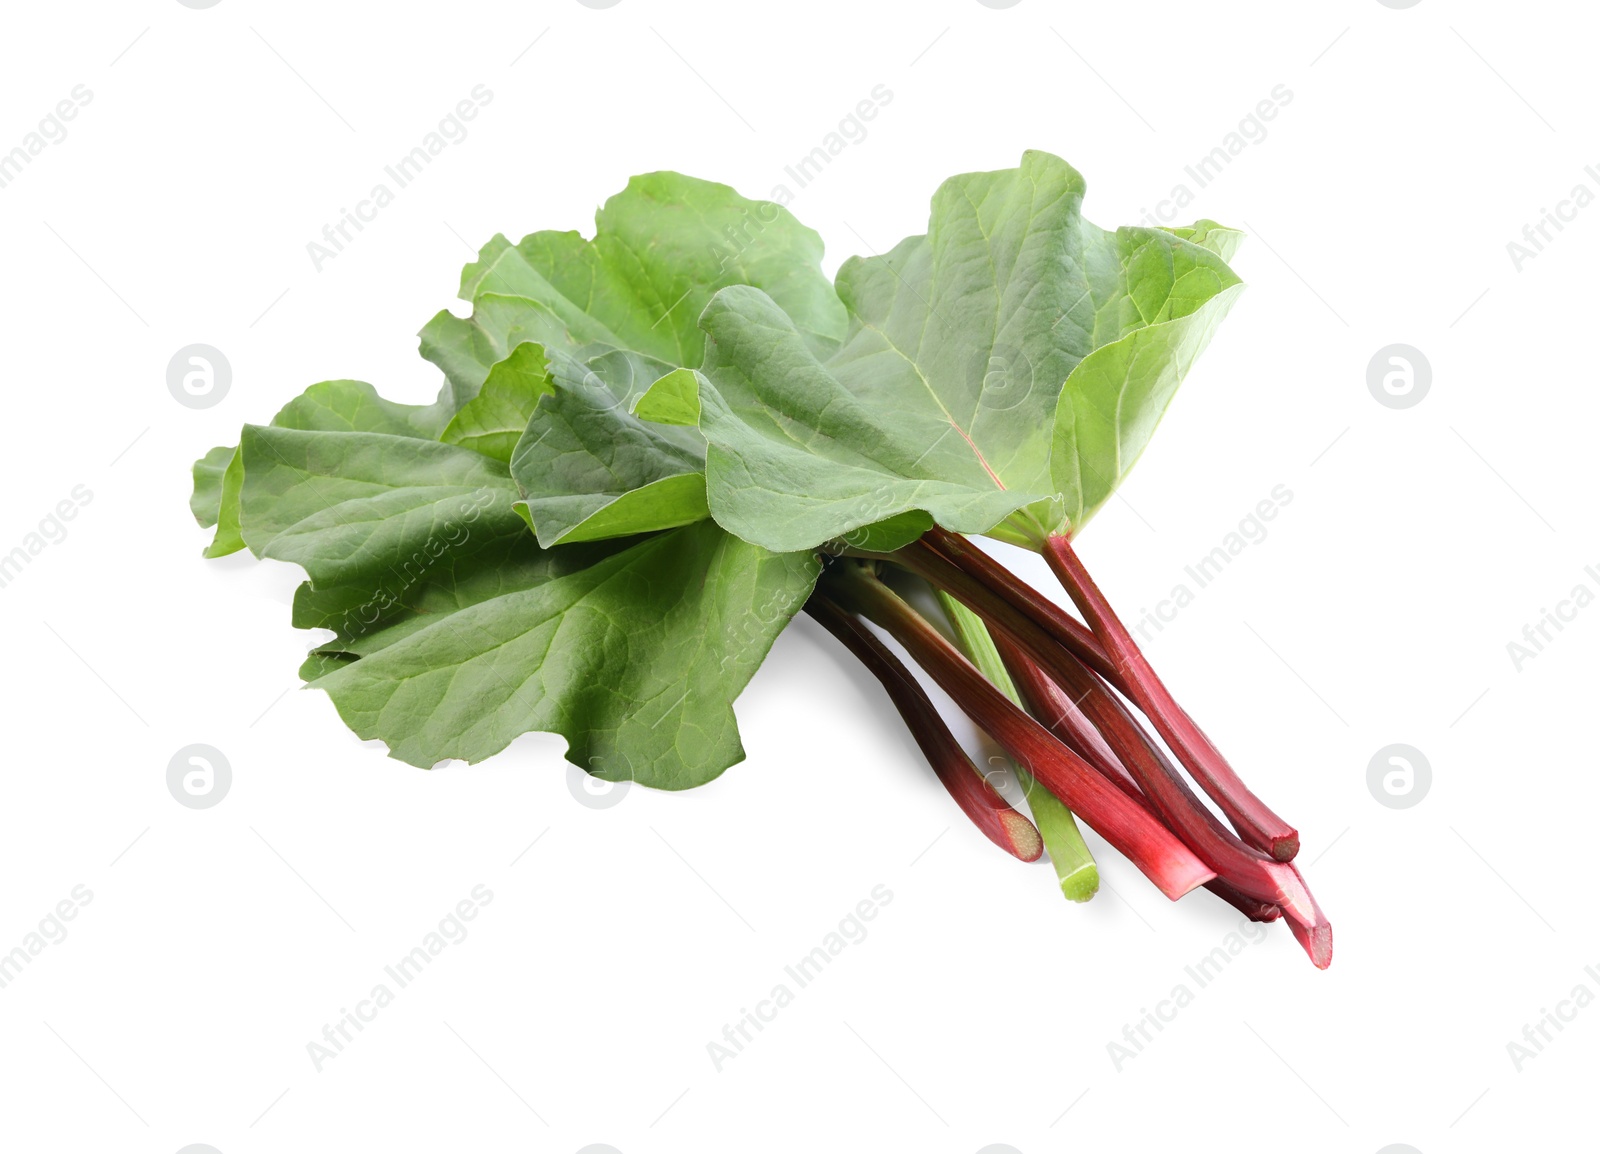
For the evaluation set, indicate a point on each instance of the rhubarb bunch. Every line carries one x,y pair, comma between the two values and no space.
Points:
654,447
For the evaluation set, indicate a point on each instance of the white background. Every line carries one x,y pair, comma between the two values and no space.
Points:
978,1010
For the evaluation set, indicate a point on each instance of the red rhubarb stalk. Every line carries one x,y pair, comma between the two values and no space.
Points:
1257,824
1186,815
1091,716
1061,716
1046,647
1135,833
990,812
1086,713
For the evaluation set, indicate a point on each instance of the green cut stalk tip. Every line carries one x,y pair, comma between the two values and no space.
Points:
1081,884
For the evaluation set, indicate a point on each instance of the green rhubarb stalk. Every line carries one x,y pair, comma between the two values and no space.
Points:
1069,853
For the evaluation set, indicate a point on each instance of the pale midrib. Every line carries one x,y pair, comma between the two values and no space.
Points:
971,444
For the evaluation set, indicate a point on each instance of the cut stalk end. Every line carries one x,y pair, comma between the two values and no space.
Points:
1317,941
1022,837
1182,877
1313,932
1081,884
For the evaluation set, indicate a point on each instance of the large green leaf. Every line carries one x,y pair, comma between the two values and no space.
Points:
366,619
636,660
369,509
330,406
661,248
1002,373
